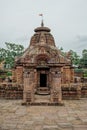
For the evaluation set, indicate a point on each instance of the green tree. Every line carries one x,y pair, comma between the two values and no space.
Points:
83,60
8,55
3,54
74,57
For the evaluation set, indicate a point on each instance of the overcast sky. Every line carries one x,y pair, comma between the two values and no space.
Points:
67,20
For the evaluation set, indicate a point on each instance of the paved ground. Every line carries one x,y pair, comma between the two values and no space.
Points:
72,116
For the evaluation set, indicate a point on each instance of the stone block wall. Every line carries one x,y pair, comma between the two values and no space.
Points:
11,92
17,75
71,91
67,75
75,91
84,90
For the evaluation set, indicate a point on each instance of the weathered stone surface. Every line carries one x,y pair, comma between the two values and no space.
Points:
50,127
72,116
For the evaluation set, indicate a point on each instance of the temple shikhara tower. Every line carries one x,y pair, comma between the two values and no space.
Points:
42,69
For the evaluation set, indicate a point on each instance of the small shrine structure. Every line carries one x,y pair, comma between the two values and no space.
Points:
43,68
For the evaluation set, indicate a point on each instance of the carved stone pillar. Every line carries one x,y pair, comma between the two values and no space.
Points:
28,93
56,94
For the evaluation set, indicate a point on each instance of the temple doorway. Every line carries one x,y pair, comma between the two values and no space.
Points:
43,80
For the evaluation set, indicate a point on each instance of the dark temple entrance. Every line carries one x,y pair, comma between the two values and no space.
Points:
43,80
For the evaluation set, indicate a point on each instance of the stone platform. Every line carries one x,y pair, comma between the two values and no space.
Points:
43,100
71,116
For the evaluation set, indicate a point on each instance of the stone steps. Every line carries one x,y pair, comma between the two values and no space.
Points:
43,91
42,98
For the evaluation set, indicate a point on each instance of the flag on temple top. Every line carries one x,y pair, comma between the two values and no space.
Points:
40,14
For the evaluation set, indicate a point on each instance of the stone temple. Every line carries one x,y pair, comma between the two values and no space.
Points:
42,68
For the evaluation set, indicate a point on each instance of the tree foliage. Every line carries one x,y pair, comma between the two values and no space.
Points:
83,60
79,61
75,58
8,55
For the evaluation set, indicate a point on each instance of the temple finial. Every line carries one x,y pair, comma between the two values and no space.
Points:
42,23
